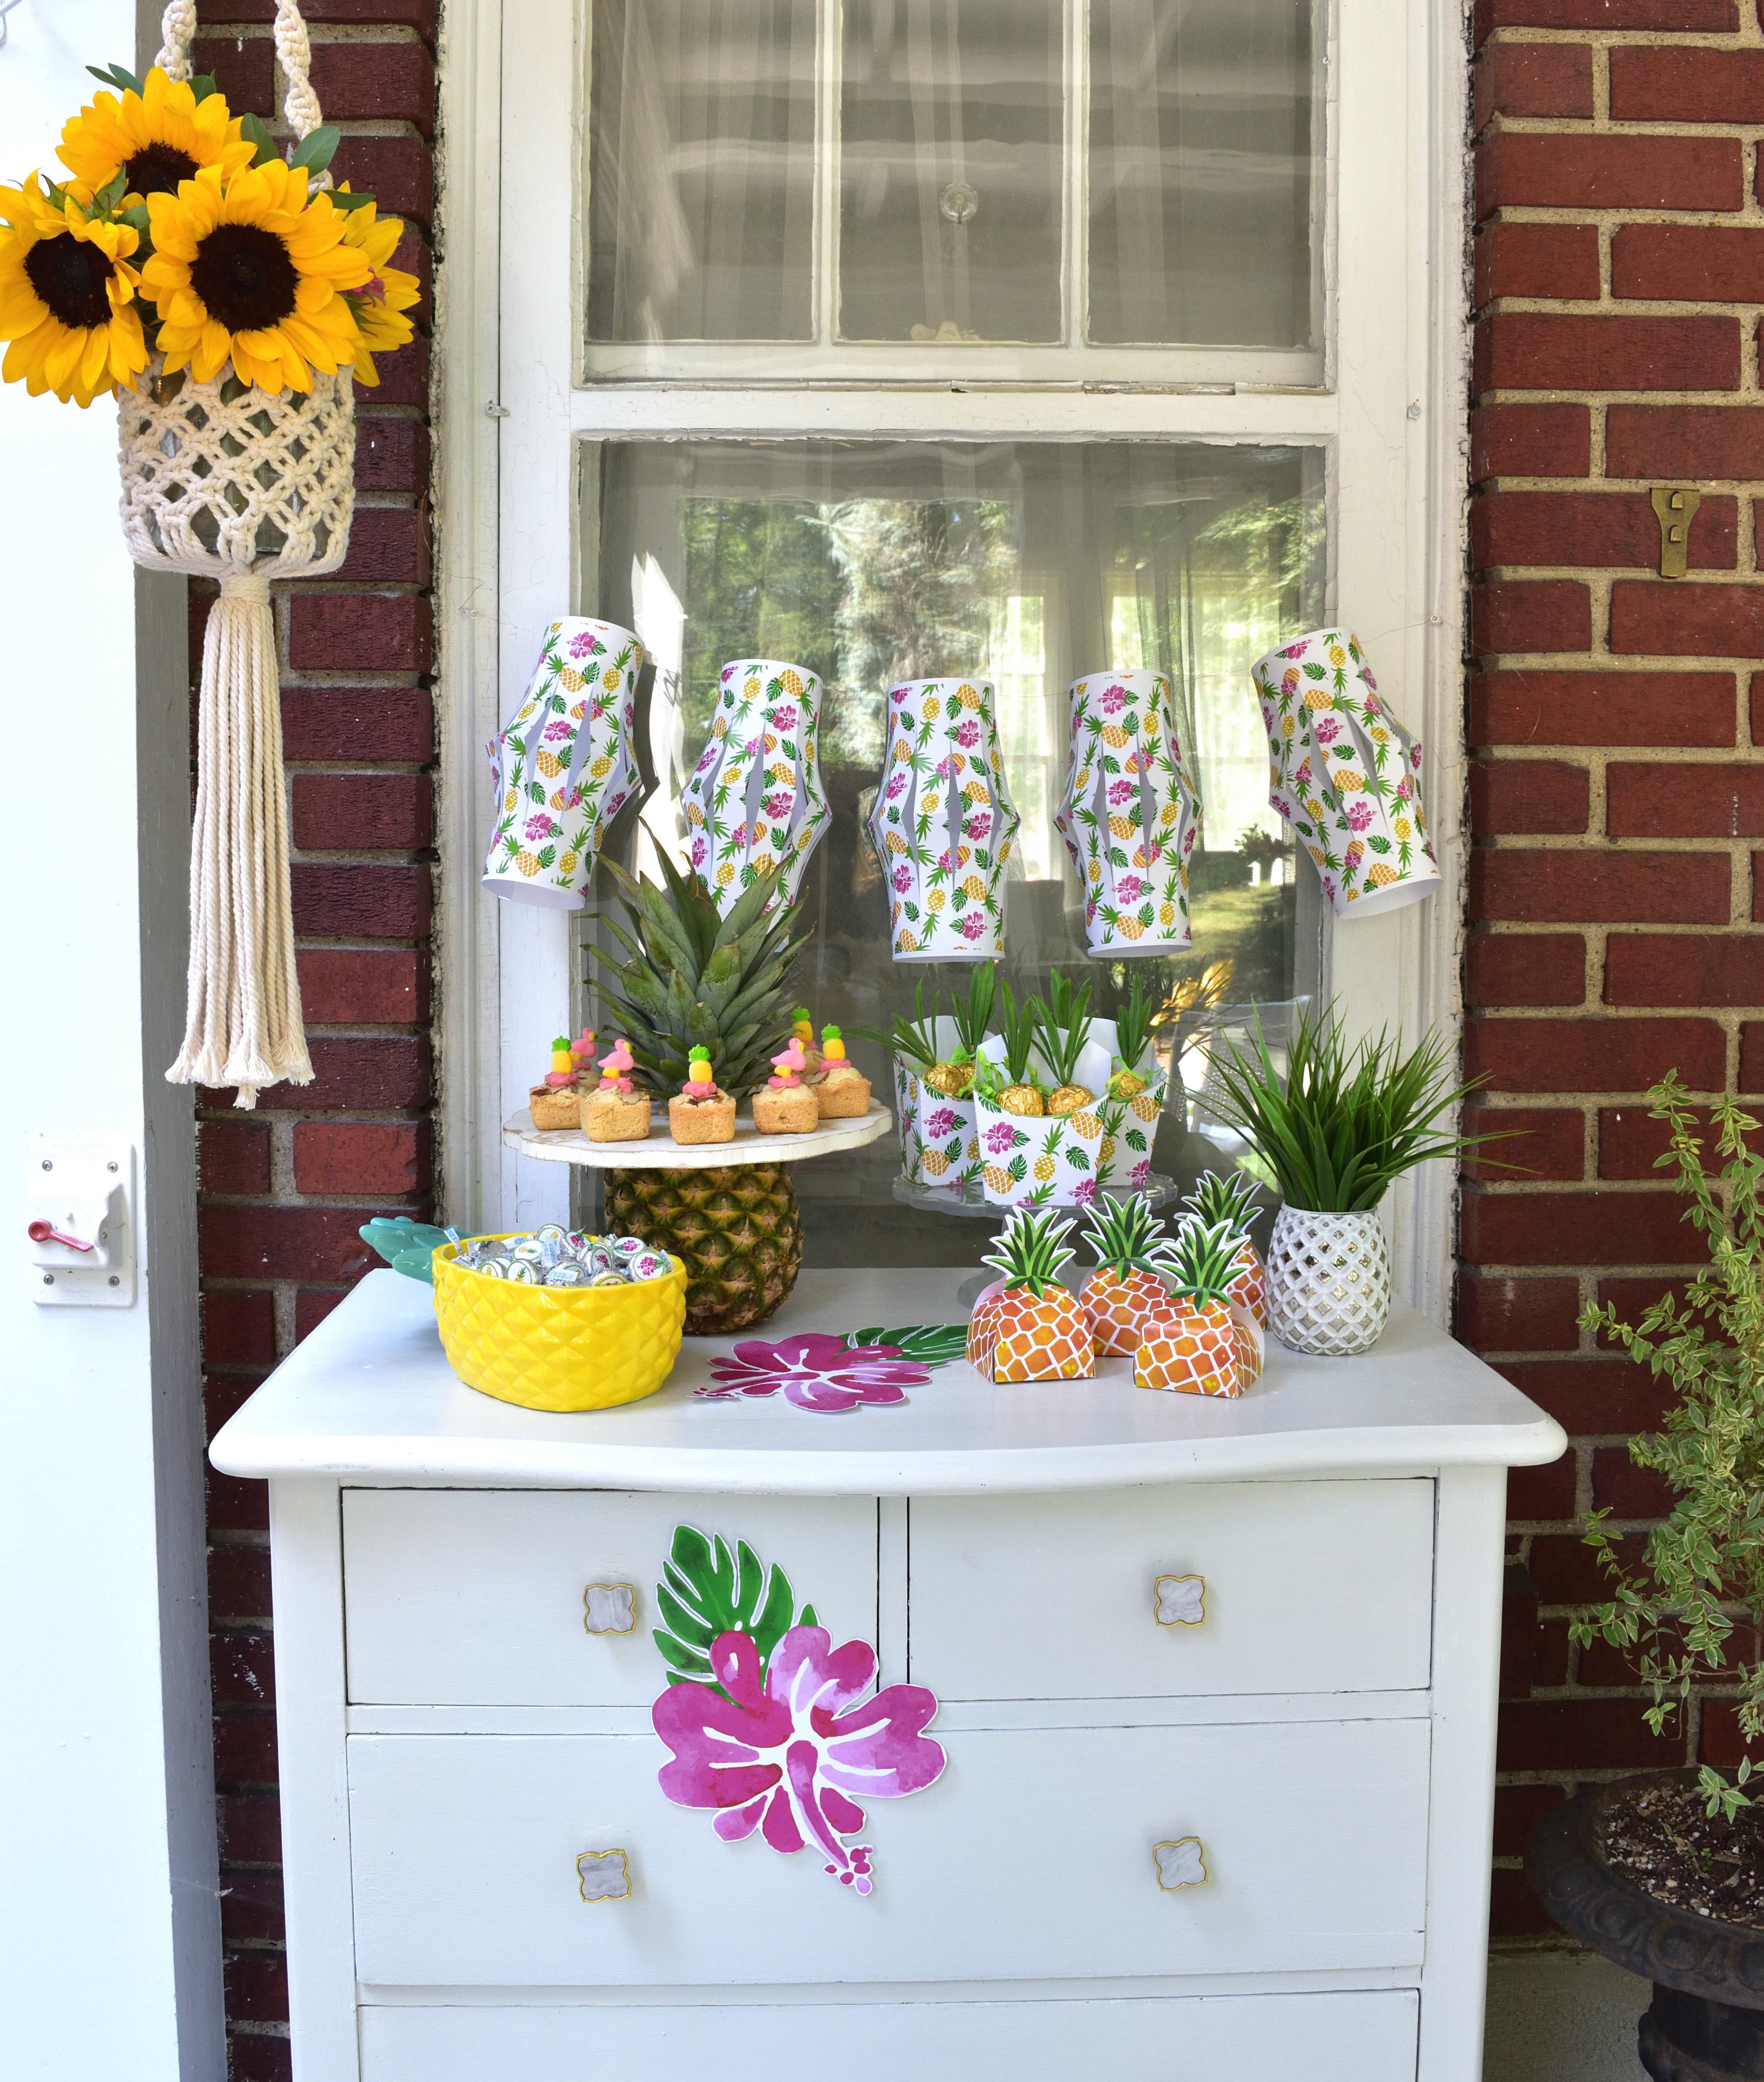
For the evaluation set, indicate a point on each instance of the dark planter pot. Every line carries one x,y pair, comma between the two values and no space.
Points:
1706,2023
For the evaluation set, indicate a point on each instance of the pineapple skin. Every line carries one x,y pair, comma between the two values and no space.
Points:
737,1229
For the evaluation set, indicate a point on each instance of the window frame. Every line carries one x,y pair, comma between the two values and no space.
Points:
1390,413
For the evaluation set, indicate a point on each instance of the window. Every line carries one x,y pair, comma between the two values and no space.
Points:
1011,337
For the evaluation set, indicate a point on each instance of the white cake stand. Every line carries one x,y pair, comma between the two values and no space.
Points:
661,1153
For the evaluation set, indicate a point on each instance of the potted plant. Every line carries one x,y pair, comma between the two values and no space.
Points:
1665,1873
1336,1129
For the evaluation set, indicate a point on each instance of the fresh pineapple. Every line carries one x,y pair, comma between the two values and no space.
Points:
737,1227
1063,1028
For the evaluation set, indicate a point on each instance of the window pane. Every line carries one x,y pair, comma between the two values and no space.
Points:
1026,564
951,170
1200,171
701,191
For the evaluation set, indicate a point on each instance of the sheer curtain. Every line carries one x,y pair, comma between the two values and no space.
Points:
702,183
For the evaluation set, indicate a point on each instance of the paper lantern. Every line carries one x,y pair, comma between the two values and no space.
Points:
564,768
1129,817
1345,774
755,802
943,823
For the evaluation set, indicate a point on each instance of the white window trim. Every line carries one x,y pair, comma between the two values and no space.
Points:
509,556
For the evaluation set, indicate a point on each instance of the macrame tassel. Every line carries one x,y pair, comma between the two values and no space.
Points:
242,1024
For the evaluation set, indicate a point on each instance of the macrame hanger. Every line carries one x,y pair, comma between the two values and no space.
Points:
294,52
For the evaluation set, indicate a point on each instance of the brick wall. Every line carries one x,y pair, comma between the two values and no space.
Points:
285,1190
1616,796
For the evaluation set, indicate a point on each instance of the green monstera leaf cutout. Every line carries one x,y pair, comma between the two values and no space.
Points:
706,1590
931,1344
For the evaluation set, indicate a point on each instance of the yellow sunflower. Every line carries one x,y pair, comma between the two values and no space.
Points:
158,138
246,267
67,297
388,294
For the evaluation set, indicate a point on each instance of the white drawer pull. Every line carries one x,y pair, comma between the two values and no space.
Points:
1178,1600
609,1608
1181,1864
605,1876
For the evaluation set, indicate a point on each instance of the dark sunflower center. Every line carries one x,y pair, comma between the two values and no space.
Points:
244,275
157,169
69,276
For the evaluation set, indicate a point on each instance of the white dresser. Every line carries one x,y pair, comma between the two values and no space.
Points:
1234,1823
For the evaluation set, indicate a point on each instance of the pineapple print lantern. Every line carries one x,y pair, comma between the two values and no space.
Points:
564,768
754,805
1028,1326
944,823
1129,817
1345,774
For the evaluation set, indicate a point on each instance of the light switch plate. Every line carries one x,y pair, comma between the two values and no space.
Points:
83,1185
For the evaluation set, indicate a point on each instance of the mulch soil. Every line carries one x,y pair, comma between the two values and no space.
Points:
1663,1841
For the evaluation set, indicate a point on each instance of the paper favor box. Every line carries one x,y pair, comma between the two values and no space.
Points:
1065,1160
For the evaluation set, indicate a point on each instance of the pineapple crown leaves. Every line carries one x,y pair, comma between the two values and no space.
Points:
973,1013
1199,1268
1032,1250
912,1040
1016,1029
1062,1025
562,1041
1222,1197
1127,1237
1132,1022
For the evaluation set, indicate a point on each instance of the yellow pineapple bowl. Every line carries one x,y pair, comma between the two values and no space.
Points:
559,1347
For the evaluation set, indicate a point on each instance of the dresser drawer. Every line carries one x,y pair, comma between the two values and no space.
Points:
1267,1588
1031,1857
1349,2038
481,1597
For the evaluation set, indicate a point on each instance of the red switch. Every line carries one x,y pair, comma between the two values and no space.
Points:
47,1233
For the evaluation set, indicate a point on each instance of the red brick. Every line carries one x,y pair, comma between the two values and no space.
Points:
1631,1142
1632,1299
364,986
1525,795
256,2057
1498,1314
1751,1057
392,453
257,1987
404,376
1517,1811
1541,1495
1514,1910
311,1305
334,901
1720,1741
223,1394
1613,528
1576,1228
1540,350
285,1243
238,1329
398,172
1594,888
360,633
1533,440
412,253
1624,1489
1667,621
251,1826
1549,1653
251,1912
381,82
243,68
418,14
1533,79
1601,709
1536,1142
356,723
1684,969
1559,261
1525,968
387,546
1682,83
377,1076
1685,802
1594,1055
237,1506
1591,1395
1552,614
1694,263
241,1666
1584,169
1518,1631
361,1156
1715,14
233,1157
1566,1735
357,812
239,1582
1669,443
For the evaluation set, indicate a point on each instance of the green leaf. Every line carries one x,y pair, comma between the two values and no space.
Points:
116,76
202,85
254,131
706,1590
931,1344
316,149
355,199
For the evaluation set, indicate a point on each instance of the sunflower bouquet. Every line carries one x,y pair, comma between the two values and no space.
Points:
180,232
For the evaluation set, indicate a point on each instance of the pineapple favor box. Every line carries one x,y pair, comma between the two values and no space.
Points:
939,1140
1063,1161
755,800
564,768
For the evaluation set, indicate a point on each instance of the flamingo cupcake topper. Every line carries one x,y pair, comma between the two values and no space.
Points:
617,1065
789,1067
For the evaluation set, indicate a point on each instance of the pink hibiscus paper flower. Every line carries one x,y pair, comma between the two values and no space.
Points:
784,1753
816,1371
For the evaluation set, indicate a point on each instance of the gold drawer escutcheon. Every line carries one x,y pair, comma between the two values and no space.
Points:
609,1608
1182,1863
1178,1600
604,1876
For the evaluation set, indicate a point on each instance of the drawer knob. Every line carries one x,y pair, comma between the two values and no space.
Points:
1178,1600
605,1875
1181,1864
609,1608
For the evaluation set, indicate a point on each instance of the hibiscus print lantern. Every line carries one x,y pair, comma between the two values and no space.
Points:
564,768
943,823
1129,817
755,803
1345,774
